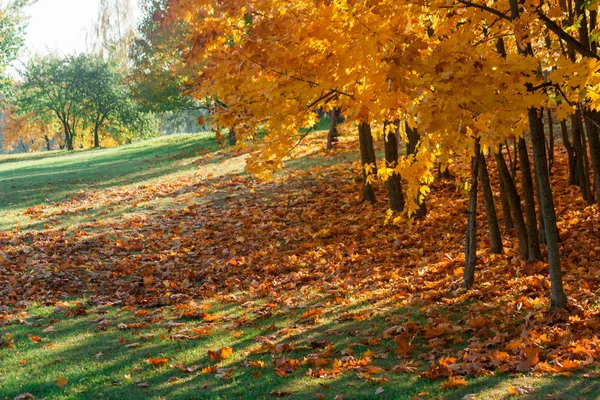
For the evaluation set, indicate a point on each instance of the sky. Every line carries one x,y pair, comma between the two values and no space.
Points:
58,27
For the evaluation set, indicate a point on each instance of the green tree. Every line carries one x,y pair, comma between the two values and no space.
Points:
84,92
51,85
12,29
159,75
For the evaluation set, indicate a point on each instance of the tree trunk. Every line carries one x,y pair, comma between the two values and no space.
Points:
535,253
232,137
333,132
96,137
471,241
558,297
550,141
367,157
593,118
582,176
47,139
515,204
411,148
391,159
507,218
490,207
68,136
570,153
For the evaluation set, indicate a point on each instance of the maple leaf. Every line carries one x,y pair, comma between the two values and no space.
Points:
220,354
62,382
454,382
519,390
157,362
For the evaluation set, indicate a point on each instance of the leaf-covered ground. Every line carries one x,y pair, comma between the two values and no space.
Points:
153,272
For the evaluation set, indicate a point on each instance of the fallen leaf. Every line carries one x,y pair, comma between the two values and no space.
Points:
157,362
61,382
222,353
454,382
518,390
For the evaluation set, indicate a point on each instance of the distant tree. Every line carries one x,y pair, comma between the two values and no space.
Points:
86,94
113,33
51,85
12,30
159,74
27,132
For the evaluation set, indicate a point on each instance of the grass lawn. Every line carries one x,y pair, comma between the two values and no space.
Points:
159,270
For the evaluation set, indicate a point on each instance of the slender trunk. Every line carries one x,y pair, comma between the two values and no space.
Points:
47,139
507,218
558,296
68,138
391,159
471,240
411,148
96,137
333,132
515,204
586,162
367,157
542,229
570,153
490,207
535,253
231,136
582,177
593,119
550,141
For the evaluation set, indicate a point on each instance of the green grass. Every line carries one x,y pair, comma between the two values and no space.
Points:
97,359
100,361
43,179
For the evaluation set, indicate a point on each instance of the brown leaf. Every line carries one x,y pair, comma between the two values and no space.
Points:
518,390
157,362
454,382
222,353
62,382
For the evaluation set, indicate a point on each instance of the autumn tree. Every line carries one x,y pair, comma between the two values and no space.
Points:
458,72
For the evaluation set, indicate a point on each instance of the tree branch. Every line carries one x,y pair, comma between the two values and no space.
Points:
553,26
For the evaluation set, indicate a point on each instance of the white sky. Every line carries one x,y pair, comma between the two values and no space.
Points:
58,27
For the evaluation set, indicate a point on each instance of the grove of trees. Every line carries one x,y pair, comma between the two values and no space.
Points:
485,80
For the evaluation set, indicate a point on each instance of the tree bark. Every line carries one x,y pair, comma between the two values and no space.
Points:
231,136
333,132
367,157
515,204
471,240
507,218
593,119
535,253
582,176
391,159
490,207
558,297
550,140
570,153
96,137
411,148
